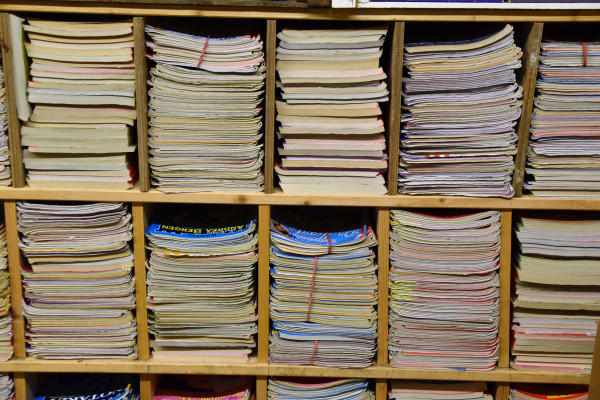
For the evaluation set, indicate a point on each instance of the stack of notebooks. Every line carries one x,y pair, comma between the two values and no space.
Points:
5,176
460,107
408,390
564,151
557,296
205,112
82,88
201,283
444,290
323,289
179,387
78,284
88,387
7,387
6,347
319,389
329,117
547,392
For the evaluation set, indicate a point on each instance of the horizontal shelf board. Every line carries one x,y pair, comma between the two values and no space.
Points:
370,14
566,377
209,368
154,196
95,366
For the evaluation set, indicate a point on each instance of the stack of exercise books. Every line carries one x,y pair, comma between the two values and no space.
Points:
444,290
323,289
88,387
461,102
205,106
319,388
557,296
201,283
7,387
564,151
5,176
82,89
548,392
6,346
329,119
193,387
78,286
412,390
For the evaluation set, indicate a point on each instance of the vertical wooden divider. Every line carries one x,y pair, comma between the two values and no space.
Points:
14,269
502,391
148,384
395,89
531,54
383,265
264,221
141,100
14,125
594,388
21,388
505,277
269,127
139,258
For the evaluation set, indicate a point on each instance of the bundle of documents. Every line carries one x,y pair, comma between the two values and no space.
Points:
408,390
547,392
78,283
6,347
205,112
88,387
201,283
329,117
5,176
178,387
82,89
323,289
557,297
7,387
461,102
564,151
444,290
319,388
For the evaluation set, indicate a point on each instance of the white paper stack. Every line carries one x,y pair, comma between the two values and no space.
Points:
6,346
201,283
444,290
564,150
460,107
7,387
319,389
205,112
432,390
324,288
5,176
82,87
78,283
329,117
557,297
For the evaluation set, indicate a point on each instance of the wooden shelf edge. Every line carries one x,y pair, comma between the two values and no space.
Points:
93,366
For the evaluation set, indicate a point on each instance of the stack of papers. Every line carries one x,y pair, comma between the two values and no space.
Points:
319,389
407,390
178,387
5,176
7,387
6,347
323,289
564,150
88,387
329,117
201,283
444,290
547,392
205,112
557,296
461,104
82,86
78,283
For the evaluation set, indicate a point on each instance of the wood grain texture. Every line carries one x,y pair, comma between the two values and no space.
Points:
22,389
395,89
261,387
501,391
139,257
15,260
264,221
505,285
147,386
530,60
381,388
269,127
594,388
383,266
14,125
141,101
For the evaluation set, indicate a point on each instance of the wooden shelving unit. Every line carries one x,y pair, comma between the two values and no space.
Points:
142,198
